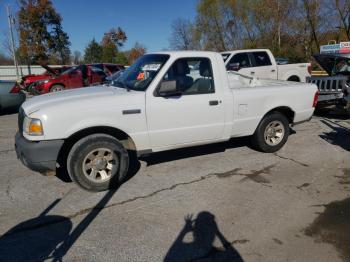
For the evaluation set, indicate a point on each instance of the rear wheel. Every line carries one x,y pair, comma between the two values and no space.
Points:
272,133
56,88
98,162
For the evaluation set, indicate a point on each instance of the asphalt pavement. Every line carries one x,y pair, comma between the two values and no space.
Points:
221,202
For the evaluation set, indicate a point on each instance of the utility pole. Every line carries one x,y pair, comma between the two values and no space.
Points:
11,22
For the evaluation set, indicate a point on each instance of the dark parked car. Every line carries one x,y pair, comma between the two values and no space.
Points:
333,88
10,95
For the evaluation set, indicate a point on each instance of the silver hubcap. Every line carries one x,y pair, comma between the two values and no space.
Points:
274,133
100,164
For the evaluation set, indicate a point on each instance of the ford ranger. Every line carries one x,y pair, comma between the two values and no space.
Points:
163,101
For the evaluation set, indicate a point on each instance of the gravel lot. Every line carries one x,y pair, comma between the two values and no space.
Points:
244,205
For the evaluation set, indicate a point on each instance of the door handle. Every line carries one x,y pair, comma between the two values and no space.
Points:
252,73
213,102
273,70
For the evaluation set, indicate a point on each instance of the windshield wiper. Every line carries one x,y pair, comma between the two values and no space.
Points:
124,85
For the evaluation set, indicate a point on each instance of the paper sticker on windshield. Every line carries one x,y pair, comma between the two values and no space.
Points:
140,76
151,67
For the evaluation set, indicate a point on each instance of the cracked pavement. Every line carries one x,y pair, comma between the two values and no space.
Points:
221,202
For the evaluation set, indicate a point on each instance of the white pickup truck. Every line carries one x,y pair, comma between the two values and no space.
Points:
262,64
159,103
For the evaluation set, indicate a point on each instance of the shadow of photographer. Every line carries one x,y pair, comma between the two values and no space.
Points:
204,230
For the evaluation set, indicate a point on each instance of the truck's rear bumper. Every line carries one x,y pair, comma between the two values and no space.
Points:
38,156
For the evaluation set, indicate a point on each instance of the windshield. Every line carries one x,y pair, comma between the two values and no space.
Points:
115,76
225,56
69,70
140,75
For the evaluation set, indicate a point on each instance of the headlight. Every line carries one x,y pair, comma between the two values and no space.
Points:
33,126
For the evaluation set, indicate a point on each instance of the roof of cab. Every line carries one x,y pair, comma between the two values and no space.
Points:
244,50
186,53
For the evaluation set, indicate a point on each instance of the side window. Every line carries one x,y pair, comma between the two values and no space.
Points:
112,69
241,59
261,59
192,76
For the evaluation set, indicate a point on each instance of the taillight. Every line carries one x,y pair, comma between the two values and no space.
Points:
15,89
315,99
309,69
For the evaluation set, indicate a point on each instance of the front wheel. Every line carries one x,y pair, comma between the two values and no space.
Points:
98,162
272,133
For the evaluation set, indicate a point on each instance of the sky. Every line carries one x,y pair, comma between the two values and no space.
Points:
146,21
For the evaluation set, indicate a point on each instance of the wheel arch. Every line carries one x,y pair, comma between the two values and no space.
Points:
122,136
285,110
294,78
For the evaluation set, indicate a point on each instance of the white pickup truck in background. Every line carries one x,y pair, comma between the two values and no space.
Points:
159,103
262,64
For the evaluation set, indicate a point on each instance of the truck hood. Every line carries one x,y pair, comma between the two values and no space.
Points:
328,61
81,96
50,70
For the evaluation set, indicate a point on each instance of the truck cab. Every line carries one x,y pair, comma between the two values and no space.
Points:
262,64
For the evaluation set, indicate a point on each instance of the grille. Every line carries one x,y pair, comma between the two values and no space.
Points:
328,84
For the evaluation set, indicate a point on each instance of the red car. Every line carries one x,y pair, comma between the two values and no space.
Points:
75,77
50,72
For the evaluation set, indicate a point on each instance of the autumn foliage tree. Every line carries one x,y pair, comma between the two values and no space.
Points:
111,41
290,28
41,37
135,52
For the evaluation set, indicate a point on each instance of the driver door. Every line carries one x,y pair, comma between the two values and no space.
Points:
194,113
75,79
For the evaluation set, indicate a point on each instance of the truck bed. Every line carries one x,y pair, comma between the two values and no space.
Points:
237,81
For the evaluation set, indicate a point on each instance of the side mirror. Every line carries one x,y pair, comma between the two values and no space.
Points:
233,67
168,88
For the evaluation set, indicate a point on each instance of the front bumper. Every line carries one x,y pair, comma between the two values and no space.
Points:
39,156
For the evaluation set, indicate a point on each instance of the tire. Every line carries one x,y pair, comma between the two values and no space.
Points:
108,159
56,88
272,133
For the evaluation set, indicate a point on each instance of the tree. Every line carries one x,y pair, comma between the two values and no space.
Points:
121,59
210,22
76,57
41,36
93,52
4,60
111,41
182,35
109,52
135,52
60,45
116,36
343,8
